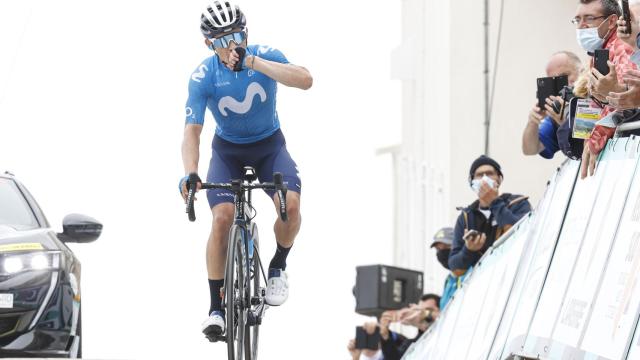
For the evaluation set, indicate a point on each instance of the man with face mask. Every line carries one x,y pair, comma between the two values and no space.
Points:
486,219
442,241
596,28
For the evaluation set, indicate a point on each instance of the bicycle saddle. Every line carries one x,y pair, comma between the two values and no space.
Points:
250,174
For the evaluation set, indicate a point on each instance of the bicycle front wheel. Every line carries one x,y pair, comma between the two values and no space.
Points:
234,285
251,332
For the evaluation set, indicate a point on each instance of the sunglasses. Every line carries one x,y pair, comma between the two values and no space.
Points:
225,40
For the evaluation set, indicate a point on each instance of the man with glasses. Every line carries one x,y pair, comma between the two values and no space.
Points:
240,92
486,219
596,28
539,136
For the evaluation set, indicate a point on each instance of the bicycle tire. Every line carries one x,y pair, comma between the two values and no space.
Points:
234,279
251,333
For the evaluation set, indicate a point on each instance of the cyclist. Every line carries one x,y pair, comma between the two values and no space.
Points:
248,133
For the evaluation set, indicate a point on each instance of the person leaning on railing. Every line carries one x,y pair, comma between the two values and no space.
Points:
486,219
596,24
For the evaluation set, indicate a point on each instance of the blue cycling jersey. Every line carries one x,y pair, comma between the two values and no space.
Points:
243,103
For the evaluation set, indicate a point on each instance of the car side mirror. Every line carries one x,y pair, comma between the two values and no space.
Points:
80,229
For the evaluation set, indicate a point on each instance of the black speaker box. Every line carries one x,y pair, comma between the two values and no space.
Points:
381,287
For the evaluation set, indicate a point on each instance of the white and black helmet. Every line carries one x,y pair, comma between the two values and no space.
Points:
221,17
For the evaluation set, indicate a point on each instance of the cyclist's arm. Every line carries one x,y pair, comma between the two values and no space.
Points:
286,74
191,148
194,120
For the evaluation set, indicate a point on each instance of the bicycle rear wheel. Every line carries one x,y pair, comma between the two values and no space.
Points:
234,285
251,332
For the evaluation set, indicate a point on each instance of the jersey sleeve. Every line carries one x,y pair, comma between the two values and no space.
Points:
197,101
272,54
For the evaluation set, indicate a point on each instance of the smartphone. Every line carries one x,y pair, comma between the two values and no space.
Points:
470,234
366,341
626,14
600,58
549,86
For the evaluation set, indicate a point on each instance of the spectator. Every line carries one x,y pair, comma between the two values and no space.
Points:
488,217
420,315
365,354
442,241
596,28
539,135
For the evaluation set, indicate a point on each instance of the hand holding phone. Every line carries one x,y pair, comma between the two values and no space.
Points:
474,240
550,86
470,235
364,340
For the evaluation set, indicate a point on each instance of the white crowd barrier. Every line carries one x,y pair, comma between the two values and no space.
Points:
563,282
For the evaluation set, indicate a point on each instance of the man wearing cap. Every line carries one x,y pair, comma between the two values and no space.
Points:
487,218
442,241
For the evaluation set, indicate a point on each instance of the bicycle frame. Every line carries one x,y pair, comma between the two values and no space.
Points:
247,308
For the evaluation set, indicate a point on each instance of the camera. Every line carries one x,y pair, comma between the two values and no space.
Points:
566,93
381,287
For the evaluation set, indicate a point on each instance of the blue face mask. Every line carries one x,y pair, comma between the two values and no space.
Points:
589,39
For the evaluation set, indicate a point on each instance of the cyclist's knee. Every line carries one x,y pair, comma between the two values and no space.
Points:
222,216
293,208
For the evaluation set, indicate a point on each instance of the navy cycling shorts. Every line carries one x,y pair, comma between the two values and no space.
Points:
267,156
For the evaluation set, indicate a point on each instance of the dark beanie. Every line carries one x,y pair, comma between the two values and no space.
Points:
484,160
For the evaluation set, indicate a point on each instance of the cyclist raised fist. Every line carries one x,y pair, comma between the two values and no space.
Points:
238,85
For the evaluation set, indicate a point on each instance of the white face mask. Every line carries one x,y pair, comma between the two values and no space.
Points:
477,183
589,39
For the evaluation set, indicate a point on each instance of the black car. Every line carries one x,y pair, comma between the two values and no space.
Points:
39,277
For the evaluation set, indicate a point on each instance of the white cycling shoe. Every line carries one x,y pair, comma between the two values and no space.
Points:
277,287
214,324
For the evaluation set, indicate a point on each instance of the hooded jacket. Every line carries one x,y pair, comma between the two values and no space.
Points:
506,210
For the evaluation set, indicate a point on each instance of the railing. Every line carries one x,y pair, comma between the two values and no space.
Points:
564,282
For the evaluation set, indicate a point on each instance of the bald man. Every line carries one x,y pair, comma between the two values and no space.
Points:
539,135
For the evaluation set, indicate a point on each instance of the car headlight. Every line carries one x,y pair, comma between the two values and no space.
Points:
11,264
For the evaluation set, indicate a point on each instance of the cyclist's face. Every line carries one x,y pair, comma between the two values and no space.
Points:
223,52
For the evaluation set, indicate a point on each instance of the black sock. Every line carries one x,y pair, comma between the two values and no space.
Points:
216,300
279,260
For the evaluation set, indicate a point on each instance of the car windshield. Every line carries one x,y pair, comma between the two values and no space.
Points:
14,209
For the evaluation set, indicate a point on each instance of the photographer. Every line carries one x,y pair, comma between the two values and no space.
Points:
486,219
539,135
420,315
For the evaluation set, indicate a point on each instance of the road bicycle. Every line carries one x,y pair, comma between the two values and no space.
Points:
242,295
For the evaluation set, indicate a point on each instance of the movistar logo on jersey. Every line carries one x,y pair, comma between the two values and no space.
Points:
199,74
229,103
